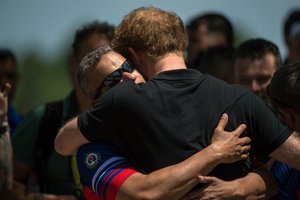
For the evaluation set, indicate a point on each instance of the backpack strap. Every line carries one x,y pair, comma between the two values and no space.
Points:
77,184
48,129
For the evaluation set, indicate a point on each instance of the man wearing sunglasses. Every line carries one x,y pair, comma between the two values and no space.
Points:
173,115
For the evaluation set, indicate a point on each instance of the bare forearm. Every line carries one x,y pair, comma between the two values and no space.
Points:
258,184
289,151
69,139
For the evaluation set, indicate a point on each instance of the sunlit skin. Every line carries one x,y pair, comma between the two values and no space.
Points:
108,64
255,74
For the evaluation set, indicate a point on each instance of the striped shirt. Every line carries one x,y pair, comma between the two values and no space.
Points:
102,171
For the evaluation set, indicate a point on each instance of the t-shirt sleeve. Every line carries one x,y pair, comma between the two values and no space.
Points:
264,127
102,169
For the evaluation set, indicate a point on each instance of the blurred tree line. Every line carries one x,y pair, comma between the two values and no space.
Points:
41,80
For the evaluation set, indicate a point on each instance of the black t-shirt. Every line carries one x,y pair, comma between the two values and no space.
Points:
174,115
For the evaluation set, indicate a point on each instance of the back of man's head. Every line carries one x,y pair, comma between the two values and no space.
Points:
152,31
284,89
256,49
284,94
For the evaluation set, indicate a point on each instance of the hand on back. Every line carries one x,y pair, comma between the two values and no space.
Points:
230,145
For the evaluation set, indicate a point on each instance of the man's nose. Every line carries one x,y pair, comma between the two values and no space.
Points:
255,86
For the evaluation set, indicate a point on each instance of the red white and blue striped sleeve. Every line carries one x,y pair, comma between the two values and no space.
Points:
102,169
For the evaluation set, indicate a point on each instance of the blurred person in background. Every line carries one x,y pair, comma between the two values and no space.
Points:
205,31
292,36
255,64
36,163
255,61
9,74
6,170
217,61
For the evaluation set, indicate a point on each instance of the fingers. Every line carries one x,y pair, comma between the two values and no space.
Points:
245,141
245,152
128,76
245,149
240,129
6,90
222,122
207,179
139,77
244,156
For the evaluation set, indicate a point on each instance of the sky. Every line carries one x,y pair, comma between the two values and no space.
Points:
48,25
45,29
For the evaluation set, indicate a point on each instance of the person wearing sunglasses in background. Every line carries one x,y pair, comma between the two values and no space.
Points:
284,96
107,174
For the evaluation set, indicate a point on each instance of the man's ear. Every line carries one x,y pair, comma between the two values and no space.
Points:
134,56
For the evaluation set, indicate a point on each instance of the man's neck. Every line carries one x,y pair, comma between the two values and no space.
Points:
166,63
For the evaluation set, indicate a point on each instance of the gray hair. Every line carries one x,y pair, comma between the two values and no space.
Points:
90,60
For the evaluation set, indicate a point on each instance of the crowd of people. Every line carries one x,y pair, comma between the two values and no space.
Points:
160,110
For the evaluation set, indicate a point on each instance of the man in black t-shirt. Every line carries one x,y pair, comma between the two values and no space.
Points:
173,115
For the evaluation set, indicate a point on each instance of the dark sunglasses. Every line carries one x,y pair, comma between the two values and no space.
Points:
114,78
